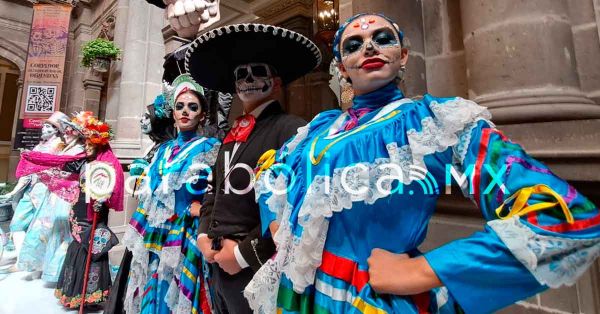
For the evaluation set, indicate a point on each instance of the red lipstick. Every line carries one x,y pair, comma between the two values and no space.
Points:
372,64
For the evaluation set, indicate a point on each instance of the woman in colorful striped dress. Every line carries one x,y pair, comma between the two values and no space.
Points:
166,274
349,198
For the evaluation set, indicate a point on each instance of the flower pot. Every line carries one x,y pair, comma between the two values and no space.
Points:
101,64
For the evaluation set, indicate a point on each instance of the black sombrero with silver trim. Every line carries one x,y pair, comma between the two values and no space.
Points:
213,56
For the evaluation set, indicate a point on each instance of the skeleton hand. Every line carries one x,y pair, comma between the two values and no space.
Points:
98,205
188,17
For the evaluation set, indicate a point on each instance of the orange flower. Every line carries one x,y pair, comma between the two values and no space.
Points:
96,131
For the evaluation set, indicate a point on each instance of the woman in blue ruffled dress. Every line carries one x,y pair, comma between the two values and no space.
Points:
166,272
348,200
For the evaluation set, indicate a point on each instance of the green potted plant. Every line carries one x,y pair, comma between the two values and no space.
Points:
98,53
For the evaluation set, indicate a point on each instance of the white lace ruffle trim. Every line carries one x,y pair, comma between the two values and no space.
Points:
299,257
553,261
170,265
159,204
138,272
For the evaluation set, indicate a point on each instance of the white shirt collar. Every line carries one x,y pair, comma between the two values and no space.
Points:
258,110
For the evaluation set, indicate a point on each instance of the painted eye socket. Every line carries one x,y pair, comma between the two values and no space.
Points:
385,38
259,71
193,107
352,45
241,73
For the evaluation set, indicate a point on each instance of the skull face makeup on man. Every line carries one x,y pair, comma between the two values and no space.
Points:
254,82
48,130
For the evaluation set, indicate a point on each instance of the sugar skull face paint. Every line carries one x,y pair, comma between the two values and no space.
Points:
253,82
187,111
145,123
363,24
48,130
372,56
381,39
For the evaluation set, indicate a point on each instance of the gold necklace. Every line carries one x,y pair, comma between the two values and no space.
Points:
317,160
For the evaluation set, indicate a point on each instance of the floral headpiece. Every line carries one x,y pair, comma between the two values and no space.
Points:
181,84
97,132
162,110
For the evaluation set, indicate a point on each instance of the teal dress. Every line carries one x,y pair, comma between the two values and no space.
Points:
48,233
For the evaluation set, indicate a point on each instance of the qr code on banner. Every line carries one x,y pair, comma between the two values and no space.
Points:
40,99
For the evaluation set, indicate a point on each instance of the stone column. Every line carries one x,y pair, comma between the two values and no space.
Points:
133,83
136,79
408,15
92,85
74,89
585,24
444,49
15,155
521,61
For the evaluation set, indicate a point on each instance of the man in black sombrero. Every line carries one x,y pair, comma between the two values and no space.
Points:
255,61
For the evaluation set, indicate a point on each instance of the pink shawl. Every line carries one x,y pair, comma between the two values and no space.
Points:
35,162
48,168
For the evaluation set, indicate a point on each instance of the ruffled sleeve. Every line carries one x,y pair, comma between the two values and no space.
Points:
201,168
540,231
189,174
272,181
273,171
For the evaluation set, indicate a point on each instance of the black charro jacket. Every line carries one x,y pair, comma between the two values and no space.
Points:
236,215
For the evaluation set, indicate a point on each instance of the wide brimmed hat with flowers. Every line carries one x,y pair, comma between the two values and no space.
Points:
93,130
212,57
56,119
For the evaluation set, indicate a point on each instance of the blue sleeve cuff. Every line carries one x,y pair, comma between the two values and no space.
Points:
481,273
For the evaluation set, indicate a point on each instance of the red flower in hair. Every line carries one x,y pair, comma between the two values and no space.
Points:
95,131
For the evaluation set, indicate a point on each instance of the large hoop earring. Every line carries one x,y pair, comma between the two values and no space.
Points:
401,73
347,92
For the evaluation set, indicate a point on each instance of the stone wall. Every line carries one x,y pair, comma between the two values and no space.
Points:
536,65
15,26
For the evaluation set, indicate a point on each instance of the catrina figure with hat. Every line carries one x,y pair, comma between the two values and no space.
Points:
158,124
96,135
52,128
353,212
39,226
255,61
166,270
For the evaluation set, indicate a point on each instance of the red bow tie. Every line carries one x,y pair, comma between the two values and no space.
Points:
242,127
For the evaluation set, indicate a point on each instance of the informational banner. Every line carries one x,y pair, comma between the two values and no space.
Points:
42,85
